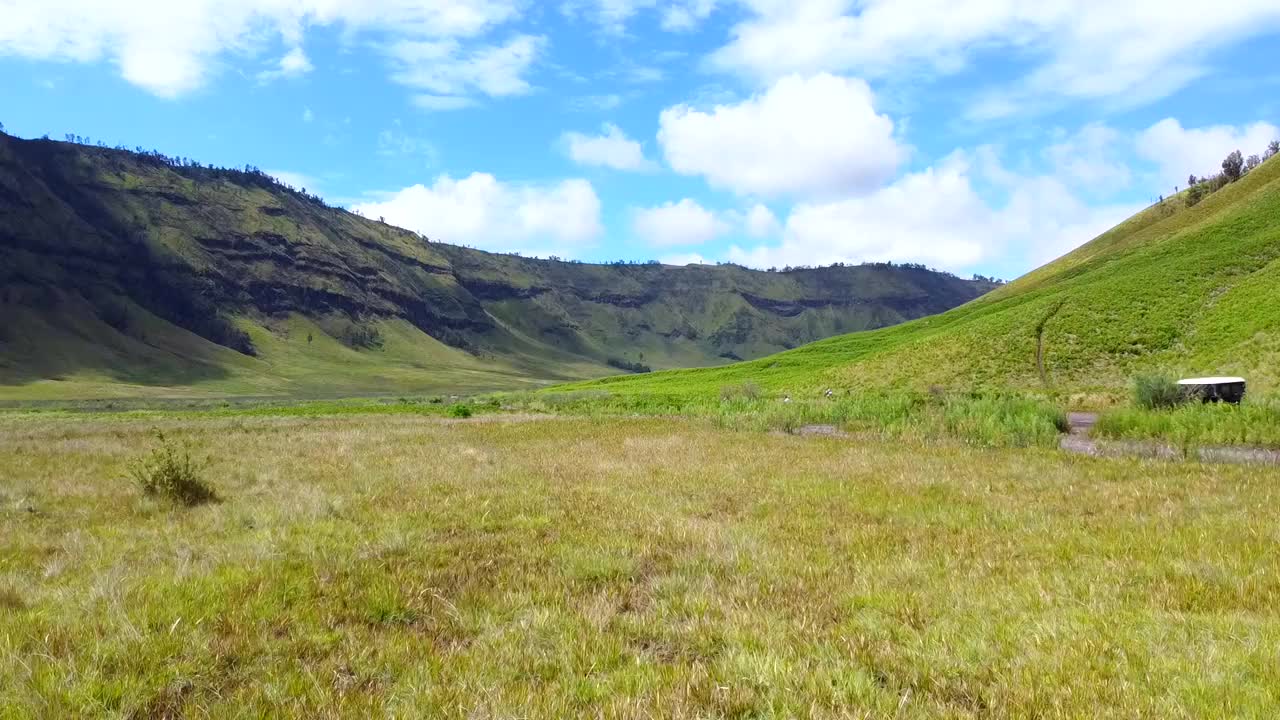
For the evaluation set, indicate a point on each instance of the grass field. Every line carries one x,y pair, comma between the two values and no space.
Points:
509,566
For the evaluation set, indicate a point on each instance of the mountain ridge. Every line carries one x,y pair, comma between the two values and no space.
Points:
100,248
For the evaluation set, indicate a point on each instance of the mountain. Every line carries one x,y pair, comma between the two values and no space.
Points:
129,273
1188,286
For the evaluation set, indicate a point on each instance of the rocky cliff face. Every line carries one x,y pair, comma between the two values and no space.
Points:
200,247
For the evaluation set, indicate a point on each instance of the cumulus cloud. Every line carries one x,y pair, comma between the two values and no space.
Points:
295,63
1133,51
482,211
1090,158
613,149
169,48
1180,152
802,136
760,222
687,15
612,16
449,73
938,217
675,224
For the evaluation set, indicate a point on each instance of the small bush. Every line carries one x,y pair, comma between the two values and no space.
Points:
635,368
459,410
1156,392
746,391
169,472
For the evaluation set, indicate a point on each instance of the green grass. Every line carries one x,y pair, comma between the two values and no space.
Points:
988,421
592,567
1254,423
1173,290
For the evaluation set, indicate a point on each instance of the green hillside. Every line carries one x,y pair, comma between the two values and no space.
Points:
1188,290
131,274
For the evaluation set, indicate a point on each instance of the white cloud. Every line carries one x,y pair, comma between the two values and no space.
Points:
1133,51
613,149
803,136
687,15
169,47
438,103
675,224
682,259
1089,158
482,211
938,217
760,222
448,73
1180,152
612,16
295,63
298,181
307,115
395,142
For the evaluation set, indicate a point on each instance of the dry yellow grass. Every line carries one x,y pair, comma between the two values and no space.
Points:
497,567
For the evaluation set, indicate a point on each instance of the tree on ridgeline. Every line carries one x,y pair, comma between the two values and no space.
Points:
1191,181
1272,150
1233,166
1252,163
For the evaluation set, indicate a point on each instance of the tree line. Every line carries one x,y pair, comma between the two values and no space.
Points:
1234,167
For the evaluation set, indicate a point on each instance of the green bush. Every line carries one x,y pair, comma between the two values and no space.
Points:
169,472
459,410
1157,392
746,391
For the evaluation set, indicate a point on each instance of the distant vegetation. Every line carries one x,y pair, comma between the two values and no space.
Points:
1234,167
629,365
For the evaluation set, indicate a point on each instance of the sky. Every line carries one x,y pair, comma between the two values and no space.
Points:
976,136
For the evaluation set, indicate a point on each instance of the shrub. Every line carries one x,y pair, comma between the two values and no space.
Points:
1195,194
169,472
746,391
636,368
458,410
1156,392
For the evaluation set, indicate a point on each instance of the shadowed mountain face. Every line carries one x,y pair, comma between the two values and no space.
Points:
124,268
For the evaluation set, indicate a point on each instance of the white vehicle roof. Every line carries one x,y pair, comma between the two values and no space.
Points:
1212,381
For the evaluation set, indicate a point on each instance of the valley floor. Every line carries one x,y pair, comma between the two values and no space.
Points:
415,566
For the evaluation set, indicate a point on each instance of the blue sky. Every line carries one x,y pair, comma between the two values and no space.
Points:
971,135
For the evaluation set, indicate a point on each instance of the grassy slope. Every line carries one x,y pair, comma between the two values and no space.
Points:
370,566
1184,290
86,229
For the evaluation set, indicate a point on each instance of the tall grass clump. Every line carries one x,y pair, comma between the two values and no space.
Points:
169,472
1157,392
1254,423
746,391
985,421
1005,421
459,410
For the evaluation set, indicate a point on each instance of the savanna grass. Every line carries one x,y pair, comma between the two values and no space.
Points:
401,565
